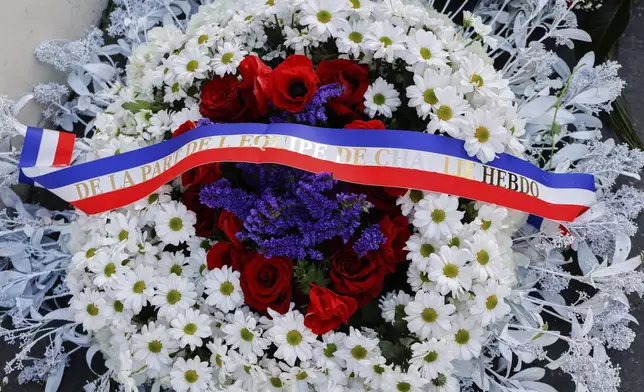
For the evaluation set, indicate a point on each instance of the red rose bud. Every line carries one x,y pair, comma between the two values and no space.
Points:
224,254
220,100
230,225
353,77
255,85
185,127
327,310
371,124
266,283
397,233
360,278
206,216
293,83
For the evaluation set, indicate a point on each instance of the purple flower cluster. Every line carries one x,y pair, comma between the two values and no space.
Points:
315,111
370,239
287,212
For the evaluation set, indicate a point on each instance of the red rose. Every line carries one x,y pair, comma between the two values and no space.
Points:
327,310
230,225
201,175
224,253
371,124
220,99
293,83
352,76
206,216
185,127
255,85
360,278
266,283
397,233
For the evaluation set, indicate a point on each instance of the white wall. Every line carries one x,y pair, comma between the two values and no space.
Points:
25,23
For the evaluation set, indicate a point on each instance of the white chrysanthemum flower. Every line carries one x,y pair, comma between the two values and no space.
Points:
247,373
174,264
487,257
448,114
174,92
227,58
444,383
166,39
485,136
375,375
190,64
299,40
351,37
392,304
108,267
292,338
189,327
384,40
87,251
361,9
419,279
419,249
381,98
358,351
121,318
242,334
153,347
489,302
208,35
324,17
475,75
191,375
409,200
490,218
223,289
450,269
425,49
174,223
466,336
160,196
174,294
431,358
218,357
324,351
428,315
122,229
137,288
198,262
399,381
303,377
422,94
438,217
91,308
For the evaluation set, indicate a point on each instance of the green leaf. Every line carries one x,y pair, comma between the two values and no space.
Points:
310,272
605,25
139,105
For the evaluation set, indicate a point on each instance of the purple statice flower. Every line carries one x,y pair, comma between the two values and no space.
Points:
204,121
288,212
370,239
315,111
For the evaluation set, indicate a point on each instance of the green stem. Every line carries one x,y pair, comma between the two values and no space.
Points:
556,128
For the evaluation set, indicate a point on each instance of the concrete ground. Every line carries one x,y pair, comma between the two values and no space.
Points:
19,71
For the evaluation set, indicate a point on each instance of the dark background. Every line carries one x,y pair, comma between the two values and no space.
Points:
631,56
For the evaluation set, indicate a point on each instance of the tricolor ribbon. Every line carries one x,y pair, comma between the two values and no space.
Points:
401,159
